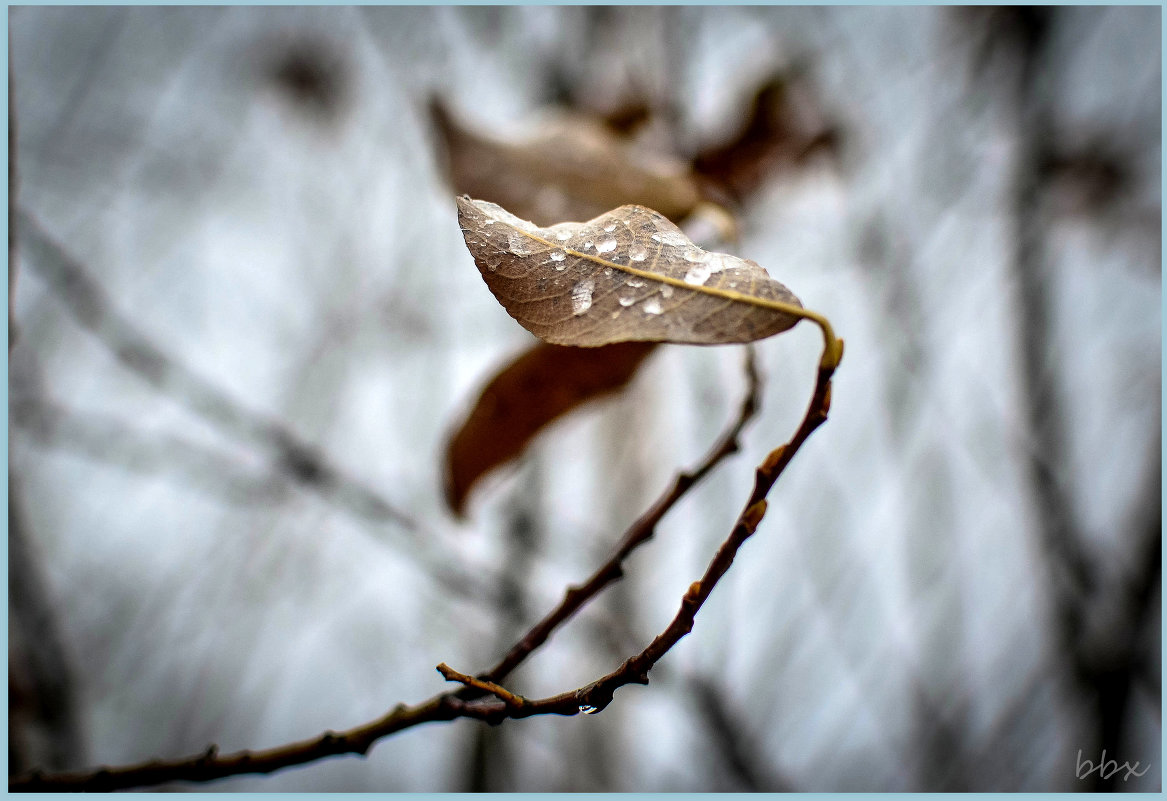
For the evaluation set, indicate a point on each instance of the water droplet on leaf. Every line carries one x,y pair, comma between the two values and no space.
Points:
606,245
698,274
581,296
637,253
651,306
522,245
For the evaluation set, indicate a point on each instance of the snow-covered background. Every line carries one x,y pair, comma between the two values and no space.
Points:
958,576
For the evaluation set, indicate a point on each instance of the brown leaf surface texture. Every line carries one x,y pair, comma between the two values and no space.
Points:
628,275
541,385
574,169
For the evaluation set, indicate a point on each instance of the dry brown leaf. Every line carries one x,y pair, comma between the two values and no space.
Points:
541,385
576,169
626,275
782,127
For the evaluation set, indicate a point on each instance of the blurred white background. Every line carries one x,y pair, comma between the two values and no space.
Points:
246,323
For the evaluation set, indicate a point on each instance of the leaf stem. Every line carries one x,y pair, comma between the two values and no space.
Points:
832,345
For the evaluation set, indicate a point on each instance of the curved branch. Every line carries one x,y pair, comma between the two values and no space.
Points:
637,534
503,704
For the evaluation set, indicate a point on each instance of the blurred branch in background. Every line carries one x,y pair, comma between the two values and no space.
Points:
44,728
293,462
1101,616
732,741
88,304
12,184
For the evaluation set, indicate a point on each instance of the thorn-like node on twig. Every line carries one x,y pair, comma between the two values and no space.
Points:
773,459
753,516
506,696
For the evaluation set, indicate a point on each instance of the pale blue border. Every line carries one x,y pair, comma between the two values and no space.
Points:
6,466
1162,361
1162,357
288,3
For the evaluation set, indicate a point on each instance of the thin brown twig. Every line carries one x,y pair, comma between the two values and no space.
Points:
637,534
597,695
590,698
503,694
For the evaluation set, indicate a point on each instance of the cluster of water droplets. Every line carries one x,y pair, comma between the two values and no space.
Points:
701,265
702,268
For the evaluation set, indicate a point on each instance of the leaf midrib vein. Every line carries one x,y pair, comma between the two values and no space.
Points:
726,294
